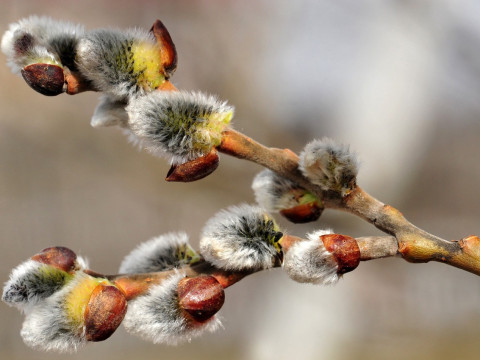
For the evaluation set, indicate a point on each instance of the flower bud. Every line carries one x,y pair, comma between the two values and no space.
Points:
47,79
344,249
158,316
39,48
167,48
201,297
179,125
161,253
240,238
122,63
59,257
194,169
329,165
86,309
278,194
41,276
105,311
322,258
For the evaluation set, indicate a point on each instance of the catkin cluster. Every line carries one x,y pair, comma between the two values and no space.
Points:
65,303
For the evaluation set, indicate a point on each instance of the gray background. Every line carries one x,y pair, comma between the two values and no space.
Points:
398,80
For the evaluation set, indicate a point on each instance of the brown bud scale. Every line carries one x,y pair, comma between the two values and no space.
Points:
344,249
201,297
104,313
60,257
195,169
47,79
168,50
301,214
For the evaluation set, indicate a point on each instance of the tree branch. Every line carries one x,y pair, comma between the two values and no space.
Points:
414,244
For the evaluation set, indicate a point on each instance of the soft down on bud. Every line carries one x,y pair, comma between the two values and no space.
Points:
241,237
176,310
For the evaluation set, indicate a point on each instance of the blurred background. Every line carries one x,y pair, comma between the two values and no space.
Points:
397,80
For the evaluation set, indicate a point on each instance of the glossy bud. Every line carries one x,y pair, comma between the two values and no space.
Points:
201,297
60,257
303,213
344,249
104,313
47,79
195,169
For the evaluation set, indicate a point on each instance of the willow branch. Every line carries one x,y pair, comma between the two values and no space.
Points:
133,285
414,244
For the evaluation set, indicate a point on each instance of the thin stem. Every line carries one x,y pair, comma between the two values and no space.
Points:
414,244
133,285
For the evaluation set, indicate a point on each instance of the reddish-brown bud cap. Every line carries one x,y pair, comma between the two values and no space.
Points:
303,213
47,79
201,297
344,249
195,169
104,313
168,51
60,257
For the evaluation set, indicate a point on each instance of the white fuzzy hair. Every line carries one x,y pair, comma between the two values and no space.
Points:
51,40
47,326
81,263
272,191
30,282
329,164
104,58
308,261
157,316
157,254
237,238
175,124
110,112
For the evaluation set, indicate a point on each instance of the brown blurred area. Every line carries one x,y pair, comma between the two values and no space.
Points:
398,80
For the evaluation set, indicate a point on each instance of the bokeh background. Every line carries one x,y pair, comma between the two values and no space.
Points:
398,80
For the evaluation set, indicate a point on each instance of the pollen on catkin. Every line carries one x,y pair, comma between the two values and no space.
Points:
122,63
157,317
241,237
56,323
330,165
158,254
308,261
179,125
40,40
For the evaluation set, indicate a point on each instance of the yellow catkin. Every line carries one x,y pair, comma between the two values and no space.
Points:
77,300
147,63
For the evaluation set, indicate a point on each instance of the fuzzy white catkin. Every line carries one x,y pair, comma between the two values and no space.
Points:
239,238
329,164
308,261
272,191
105,57
178,125
157,254
47,325
32,281
157,317
48,39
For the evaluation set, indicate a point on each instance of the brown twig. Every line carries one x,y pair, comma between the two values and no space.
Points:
133,285
414,244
